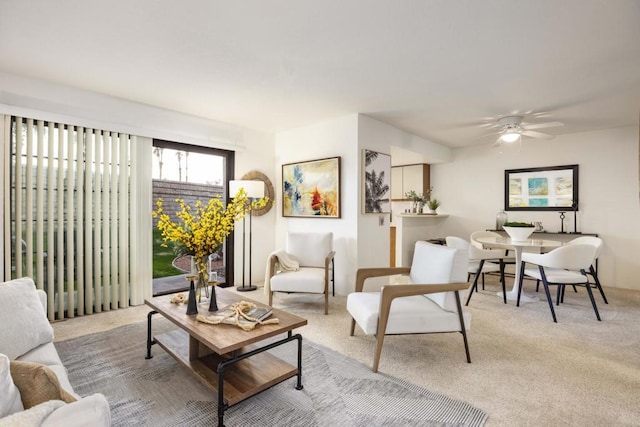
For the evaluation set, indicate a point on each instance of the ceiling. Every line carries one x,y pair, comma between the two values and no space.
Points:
443,70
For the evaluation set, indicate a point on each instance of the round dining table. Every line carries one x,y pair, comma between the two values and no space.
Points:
517,247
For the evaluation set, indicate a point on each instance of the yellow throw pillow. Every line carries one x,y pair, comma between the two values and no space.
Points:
37,384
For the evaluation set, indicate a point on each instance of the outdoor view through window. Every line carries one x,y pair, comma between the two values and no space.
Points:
191,176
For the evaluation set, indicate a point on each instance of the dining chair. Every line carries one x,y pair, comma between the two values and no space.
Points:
565,265
429,303
308,266
479,263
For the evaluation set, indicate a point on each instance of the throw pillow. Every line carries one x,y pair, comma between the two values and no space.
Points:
10,402
24,322
37,383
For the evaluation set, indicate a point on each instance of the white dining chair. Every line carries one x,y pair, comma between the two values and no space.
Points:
562,266
479,263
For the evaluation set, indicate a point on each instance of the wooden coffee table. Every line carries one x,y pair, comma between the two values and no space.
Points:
231,361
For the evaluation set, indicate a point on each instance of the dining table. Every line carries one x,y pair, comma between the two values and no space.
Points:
518,246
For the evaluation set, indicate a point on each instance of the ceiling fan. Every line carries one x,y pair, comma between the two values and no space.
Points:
512,129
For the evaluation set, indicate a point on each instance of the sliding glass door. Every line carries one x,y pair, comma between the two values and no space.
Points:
190,173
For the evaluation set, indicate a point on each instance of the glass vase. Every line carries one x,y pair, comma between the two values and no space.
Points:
501,218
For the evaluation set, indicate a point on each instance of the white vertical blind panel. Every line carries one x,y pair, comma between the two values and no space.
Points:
6,160
40,254
123,218
97,230
70,211
88,222
51,134
106,249
19,214
29,200
141,225
114,221
60,222
79,220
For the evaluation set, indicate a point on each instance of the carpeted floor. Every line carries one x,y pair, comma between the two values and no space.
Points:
525,370
338,391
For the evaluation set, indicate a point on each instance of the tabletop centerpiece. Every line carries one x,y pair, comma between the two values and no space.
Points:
518,231
201,229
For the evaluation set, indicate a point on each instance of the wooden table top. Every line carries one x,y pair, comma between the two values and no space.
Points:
223,338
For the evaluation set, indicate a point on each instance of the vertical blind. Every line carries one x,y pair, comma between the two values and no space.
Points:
73,216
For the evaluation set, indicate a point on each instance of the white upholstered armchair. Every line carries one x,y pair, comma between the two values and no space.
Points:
430,303
306,265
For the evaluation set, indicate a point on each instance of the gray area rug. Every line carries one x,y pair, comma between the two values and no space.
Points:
338,391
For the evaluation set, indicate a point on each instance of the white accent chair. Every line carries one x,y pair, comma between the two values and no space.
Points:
479,264
430,303
314,254
562,266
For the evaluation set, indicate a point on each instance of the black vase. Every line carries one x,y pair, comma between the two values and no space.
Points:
213,304
192,307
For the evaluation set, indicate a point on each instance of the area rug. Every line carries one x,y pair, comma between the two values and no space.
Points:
338,391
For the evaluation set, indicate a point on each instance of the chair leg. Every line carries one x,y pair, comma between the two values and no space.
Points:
537,285
462,327
546,290
559,293
376,357
271,298
504,288
353,327
593,301
483,281
326,301
520,283
474,287
595,277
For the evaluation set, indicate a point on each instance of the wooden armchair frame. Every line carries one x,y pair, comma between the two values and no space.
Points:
389,292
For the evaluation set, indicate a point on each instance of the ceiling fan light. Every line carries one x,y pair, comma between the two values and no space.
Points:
510,137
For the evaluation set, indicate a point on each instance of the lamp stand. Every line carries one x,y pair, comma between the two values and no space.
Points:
244,288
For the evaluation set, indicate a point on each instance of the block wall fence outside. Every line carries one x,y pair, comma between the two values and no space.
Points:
169,191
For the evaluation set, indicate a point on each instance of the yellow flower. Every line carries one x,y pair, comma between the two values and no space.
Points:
200,229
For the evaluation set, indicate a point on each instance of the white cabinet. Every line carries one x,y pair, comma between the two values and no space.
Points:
409,177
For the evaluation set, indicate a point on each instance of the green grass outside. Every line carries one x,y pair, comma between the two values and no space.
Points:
163,258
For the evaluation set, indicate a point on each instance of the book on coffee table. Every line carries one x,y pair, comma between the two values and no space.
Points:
259,313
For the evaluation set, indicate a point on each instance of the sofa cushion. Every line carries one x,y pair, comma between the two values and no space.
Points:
10,402
91,411
37,383
46,354
24,323
32,416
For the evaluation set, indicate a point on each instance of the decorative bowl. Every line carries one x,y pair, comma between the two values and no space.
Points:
519,234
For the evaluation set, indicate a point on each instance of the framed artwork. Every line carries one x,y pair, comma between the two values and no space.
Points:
376,182
552,188
311,189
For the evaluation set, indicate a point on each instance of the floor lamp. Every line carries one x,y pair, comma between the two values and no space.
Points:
254,190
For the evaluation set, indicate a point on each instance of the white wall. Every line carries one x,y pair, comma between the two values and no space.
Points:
330,138
254,150
471,188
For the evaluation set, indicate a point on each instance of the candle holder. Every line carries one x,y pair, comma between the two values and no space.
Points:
192,307
213,303
562,216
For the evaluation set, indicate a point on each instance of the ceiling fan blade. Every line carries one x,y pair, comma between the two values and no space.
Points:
542,125
538,135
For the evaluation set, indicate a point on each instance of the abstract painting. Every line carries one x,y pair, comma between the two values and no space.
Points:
311,188
376,182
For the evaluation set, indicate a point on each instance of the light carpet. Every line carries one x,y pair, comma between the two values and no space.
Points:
338,391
